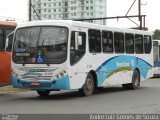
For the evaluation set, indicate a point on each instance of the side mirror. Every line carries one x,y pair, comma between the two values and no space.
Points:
7,43
79,40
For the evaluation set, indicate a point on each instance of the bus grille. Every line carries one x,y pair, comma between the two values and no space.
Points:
36,78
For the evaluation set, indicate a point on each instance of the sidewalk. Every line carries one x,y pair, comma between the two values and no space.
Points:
10,89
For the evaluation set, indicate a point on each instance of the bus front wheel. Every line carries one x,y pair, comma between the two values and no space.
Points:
135,81
88,87
43,93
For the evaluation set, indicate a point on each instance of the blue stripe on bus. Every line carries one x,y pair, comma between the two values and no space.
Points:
115,63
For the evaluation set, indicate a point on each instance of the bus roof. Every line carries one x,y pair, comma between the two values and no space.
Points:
7,23
69,23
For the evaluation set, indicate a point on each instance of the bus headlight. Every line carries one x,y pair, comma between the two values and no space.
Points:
61,74
14,73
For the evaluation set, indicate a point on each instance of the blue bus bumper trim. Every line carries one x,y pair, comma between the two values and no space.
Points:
58,84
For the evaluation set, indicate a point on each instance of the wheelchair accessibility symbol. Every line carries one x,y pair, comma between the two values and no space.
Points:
40,59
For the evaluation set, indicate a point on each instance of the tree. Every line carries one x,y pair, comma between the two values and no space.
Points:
156,34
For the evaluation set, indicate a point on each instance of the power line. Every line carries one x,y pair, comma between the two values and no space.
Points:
11,18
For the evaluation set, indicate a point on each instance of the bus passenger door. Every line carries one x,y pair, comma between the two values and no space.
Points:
155,54
77,56
156,58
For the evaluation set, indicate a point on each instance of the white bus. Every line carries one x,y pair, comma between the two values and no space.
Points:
64,55
156,54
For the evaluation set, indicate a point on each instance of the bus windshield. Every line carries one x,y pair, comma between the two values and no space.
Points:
40,45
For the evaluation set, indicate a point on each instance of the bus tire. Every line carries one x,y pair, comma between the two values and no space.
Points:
135,81
43,93
89,86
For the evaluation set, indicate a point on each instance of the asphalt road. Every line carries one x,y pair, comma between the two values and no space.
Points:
146,99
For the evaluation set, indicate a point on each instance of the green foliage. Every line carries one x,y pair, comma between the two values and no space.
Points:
156,34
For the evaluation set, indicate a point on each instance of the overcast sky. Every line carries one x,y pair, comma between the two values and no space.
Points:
19,9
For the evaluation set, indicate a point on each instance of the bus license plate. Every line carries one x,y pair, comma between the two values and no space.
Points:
35,84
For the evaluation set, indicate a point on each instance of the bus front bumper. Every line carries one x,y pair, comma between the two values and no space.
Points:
58,84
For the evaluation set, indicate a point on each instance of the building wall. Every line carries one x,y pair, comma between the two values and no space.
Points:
68,9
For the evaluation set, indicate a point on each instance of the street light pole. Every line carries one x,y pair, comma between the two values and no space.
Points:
139,13
30,10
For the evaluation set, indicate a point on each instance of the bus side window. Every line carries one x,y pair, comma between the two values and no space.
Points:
94,37
1,39
78,46
107,39
119,42
129,43
147,44
139,44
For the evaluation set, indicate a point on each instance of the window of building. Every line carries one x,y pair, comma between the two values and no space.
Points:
78,48
139,44
44,10
66,3
82,3
49,5
44,4
82,14
87,8
1,39
147,44
39,11
49,10
33,6
129,43
107,40
94,37
39,5
119,42
91,8
45,15
49,16
65,10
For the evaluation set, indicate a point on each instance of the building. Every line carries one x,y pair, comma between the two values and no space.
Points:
68,9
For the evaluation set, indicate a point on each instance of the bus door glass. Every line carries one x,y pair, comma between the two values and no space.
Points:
155,44
159,52
78,46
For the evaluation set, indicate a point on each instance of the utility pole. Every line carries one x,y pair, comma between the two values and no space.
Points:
30,4
139,13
